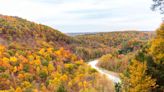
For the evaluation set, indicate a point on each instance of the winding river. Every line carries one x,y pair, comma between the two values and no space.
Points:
109,75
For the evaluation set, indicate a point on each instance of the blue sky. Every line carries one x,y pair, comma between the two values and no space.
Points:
86,15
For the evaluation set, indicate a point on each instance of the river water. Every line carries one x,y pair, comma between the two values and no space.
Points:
109,75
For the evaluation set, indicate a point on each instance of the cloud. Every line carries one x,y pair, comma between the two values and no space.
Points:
85,15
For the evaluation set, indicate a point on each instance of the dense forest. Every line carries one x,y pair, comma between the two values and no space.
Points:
35,57
30,34
141,70
18,32
46,69
96,45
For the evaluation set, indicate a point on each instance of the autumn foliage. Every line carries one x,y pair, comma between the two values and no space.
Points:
137,79
45,69
37,58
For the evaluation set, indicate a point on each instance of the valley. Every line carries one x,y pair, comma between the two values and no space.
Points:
111,75
38,58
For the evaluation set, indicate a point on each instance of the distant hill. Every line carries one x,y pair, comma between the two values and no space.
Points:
109,42
81,33
92,33
29,34
20,33
116,38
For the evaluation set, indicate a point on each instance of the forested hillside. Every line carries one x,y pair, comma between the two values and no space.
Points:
16,32
141,70
47,70
89,53
30,34
96,45
37,58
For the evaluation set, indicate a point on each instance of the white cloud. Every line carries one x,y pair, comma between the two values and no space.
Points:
85,15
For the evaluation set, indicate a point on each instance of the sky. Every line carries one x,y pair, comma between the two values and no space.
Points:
72,16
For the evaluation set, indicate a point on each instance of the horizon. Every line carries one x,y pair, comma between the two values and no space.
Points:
78,16
113,31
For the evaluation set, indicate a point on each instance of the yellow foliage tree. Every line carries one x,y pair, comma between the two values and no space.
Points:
157,46
50,67
18,89
2,49
138,81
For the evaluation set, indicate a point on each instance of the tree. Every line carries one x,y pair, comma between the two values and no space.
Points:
158,5
157,52
136,79
157,46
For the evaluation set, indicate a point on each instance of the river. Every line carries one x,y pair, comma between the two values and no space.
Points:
109,75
